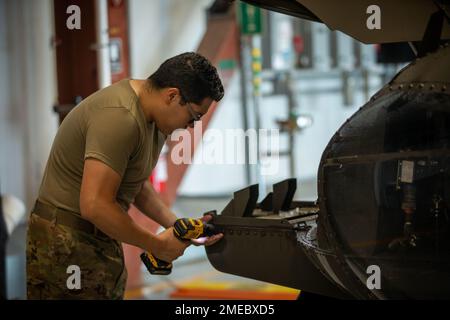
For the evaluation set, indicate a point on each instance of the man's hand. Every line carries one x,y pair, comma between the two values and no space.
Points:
207,241
168,247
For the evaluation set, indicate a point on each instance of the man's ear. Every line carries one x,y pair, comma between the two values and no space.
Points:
170,94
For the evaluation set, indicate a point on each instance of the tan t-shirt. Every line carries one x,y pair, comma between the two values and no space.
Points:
110,126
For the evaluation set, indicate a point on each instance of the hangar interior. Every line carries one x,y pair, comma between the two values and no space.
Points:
293,76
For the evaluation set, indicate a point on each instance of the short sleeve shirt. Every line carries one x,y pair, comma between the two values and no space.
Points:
109,126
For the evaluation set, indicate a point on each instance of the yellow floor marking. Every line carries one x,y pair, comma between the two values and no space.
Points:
198,282
137,293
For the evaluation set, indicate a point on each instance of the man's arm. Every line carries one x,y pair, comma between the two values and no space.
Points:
150,204
99,206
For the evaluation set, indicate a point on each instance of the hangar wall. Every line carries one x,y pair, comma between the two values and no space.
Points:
27,87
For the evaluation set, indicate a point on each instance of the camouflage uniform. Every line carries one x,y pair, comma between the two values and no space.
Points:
52,248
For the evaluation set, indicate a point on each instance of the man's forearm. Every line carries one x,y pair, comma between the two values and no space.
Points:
150,204
110,219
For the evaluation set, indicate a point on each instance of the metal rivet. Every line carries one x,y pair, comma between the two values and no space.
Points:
432,87
400,86
421,85
411,85
444,88
391,88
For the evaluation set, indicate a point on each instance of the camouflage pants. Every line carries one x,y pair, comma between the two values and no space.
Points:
52,248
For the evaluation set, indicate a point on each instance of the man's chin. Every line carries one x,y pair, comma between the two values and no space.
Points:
166,132
170,132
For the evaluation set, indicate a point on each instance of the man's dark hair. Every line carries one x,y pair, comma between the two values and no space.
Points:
192,74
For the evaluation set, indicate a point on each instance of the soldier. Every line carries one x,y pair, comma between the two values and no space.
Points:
99,164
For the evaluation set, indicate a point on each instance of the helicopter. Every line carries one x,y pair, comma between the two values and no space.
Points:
380,228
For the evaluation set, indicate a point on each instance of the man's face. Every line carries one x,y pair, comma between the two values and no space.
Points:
176,115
